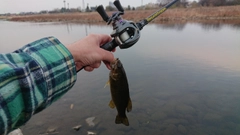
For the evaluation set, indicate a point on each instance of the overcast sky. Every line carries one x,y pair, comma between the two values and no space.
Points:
17,6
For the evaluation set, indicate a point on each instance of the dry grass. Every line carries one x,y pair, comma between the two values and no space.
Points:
81,17
180,14
201,13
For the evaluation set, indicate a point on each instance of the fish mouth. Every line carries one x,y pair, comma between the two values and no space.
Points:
114,64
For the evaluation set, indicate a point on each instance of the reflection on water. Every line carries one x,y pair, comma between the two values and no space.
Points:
206,25
175,26
183,81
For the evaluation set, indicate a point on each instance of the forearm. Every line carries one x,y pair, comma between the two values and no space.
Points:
31,78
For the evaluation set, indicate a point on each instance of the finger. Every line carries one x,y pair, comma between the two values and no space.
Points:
107,64
104,39
114,50
106,56
95,65
78,66
88,68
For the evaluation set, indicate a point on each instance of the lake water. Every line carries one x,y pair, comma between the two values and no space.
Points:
184,79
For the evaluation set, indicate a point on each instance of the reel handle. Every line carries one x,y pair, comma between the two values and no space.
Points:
118,5
103,13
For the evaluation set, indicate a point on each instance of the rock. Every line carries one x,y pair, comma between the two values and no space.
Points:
185,109
16,132
163,126
158,116
171,130
172,121
176,121
39,123
169,109
190,119
183,121
71,106
51,130
77,127
182,129
210,117
90,121
91,133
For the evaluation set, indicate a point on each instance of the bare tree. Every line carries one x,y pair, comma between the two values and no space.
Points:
162,2
184,3
219,2
181,3
204,2
213,2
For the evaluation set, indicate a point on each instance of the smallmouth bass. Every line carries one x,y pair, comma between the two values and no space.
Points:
119,92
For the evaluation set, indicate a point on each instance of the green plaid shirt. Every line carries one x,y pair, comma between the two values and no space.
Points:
31,78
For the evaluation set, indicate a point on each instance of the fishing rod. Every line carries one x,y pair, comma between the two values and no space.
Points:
126,33
144,22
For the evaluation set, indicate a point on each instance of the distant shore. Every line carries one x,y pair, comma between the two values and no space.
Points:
228,13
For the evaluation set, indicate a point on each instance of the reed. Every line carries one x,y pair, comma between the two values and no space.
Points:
175,14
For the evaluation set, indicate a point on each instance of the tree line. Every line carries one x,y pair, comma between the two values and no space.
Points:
185,3
218,2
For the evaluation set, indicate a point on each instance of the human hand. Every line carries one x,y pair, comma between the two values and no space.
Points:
88,54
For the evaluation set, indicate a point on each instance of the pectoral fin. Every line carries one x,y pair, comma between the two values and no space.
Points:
107,83
111,104
129,106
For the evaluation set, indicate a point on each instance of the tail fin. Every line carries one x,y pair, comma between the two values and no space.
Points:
123,120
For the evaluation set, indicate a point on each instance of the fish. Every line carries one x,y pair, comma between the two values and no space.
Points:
119,92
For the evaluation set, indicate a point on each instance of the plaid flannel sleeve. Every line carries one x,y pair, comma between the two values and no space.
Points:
31,78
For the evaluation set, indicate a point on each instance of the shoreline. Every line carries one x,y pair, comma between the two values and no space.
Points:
228,13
